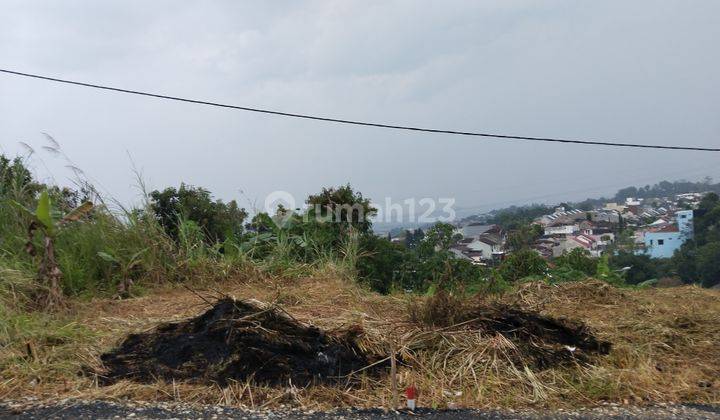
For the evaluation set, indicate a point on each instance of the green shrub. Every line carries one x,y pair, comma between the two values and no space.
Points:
578,259
523,263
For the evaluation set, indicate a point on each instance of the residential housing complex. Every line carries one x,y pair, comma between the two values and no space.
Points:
566,230
659,227
481,244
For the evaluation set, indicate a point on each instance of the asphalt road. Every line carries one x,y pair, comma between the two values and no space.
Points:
109,410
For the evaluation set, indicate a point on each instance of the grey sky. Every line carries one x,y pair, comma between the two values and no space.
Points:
640,71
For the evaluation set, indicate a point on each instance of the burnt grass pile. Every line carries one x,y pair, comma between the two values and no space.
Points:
234,340
542,341
537,340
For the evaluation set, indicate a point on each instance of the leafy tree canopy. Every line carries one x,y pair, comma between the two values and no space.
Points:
578,259
342,206
638,268
218,220
523,236
16,180
521,264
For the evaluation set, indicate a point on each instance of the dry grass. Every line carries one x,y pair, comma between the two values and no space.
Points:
665,348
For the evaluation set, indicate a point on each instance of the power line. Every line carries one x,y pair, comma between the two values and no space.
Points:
361,123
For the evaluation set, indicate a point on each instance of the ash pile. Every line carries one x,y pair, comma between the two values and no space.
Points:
235,340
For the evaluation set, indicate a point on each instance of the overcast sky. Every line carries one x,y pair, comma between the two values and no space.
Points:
632,71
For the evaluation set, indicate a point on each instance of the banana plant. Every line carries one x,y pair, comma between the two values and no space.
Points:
45,221
126,267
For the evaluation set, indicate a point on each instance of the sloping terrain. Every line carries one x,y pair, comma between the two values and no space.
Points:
252,341
630,347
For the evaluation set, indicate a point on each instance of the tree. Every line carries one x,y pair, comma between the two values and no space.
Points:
385,265
521,264
626,193
683,261
698,260
641,267
218,220
343,207
262,223
604,272
523,237
514,217
43,220
440,237
413,239
707,222
708,202
708,264
16,179
666,189
380,263
578,259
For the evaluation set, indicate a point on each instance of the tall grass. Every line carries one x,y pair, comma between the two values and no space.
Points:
121,234
116,246
108,247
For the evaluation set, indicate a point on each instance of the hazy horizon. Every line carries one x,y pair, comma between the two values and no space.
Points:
639,72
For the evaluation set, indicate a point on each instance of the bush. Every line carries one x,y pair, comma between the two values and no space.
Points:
578,259
522,264
708,264
642,267
380,263
216,219
604,272
566,273
440,308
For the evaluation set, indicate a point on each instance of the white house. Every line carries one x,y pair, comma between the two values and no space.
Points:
487,245
586,242
561,230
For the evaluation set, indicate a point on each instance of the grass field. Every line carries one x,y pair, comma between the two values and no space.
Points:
664,346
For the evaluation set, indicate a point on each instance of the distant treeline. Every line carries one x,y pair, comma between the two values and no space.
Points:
666,189
659,190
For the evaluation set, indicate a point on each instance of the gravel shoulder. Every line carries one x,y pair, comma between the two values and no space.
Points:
110,410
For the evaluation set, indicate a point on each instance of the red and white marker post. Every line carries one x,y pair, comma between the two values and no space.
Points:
411,394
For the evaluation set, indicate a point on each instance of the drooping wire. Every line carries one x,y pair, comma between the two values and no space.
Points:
361,123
